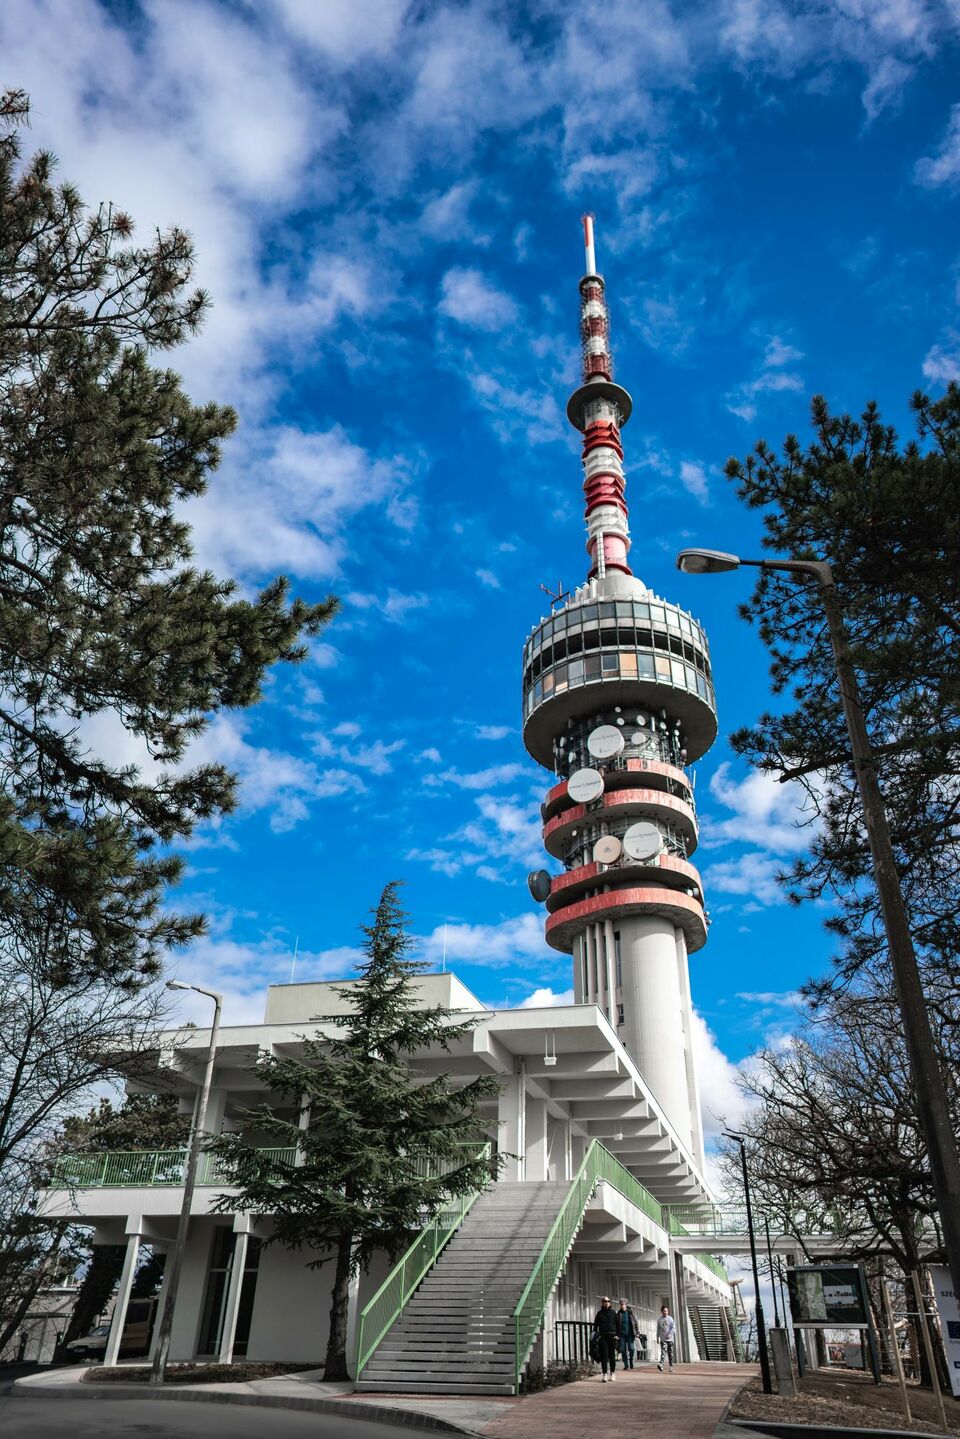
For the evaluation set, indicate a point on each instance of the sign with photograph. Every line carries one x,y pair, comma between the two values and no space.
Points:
827,1296
949,1311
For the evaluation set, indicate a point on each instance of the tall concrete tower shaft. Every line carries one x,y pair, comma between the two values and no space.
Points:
617,702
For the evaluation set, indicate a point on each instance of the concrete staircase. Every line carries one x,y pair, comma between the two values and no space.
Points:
455,1336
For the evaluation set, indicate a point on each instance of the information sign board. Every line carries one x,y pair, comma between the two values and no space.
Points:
827,1296
949,1311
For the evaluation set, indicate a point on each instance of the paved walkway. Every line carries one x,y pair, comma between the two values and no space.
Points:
684,1405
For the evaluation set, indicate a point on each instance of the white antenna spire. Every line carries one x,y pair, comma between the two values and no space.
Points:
591,254
443,966
293,966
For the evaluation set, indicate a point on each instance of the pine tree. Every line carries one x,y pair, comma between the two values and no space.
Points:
102,616
887,518
375,1132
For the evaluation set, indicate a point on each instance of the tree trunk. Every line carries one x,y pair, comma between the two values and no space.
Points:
336,1361
103,1271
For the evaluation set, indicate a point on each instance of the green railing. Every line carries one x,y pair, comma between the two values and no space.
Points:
714,1265
388,1303
145,1168
598,1164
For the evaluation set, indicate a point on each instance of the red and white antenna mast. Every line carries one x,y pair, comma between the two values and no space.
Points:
598,409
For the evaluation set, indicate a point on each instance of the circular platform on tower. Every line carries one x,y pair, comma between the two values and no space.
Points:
593,655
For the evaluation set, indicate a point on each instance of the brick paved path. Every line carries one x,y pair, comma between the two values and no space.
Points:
684,1405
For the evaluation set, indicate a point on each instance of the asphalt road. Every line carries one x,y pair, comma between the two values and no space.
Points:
176,1419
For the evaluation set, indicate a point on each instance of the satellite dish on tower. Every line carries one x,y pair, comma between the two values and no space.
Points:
607,849
539,884
605,742
585,785
642,841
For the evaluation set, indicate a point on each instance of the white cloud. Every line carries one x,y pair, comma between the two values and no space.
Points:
546,999
287,504
488,578
468,297
477,779
395,606
342,30
773,377
241,971
446,217
375,756
944,167
270,779
721,1102
516,940
752,875
693,477
765,812
942,364
492,731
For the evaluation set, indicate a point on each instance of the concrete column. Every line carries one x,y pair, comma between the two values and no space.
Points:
580,972
653,1014
782,1367
510,1103
242,1224
610,945
591,962
693,1086
537,1151
133,1231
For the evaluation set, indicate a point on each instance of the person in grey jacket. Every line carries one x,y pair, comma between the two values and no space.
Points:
666,1338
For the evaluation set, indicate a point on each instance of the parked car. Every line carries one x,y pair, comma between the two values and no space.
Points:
137,1330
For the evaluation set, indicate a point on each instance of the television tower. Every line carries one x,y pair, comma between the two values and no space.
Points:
617,702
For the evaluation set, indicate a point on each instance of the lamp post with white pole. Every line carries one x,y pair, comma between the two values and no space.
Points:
172,1277
932,1104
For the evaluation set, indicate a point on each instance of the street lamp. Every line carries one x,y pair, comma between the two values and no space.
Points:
172,1275
761,1326
932,1106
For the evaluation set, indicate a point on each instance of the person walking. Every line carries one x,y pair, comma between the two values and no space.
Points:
606,1327
626,1334
666,1338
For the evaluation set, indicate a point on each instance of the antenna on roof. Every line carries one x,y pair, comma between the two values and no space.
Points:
558,597
293,966
443,965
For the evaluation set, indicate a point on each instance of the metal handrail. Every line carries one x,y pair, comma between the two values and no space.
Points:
146,1168
598,1164
390,1300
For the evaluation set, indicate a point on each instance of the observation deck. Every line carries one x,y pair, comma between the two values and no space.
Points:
595,654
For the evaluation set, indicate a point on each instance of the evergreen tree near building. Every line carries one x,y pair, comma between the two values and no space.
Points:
373,1134
886,515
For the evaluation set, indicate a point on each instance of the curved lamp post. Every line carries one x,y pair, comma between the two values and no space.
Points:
158,1368
932,1105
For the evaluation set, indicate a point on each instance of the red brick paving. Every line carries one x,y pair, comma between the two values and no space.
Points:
684,1405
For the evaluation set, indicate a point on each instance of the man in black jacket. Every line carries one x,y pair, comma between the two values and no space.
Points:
606,1327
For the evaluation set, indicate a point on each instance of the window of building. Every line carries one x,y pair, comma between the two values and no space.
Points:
619,1013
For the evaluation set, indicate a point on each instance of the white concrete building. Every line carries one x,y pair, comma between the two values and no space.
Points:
570,1092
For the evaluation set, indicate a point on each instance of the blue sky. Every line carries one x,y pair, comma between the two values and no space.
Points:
385,201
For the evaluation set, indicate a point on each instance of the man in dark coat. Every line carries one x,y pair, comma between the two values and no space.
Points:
606,1328
626,1334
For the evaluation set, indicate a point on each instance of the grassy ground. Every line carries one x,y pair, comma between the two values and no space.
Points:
238,1373
847,1398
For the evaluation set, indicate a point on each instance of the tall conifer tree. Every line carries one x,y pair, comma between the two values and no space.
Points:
372,1132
